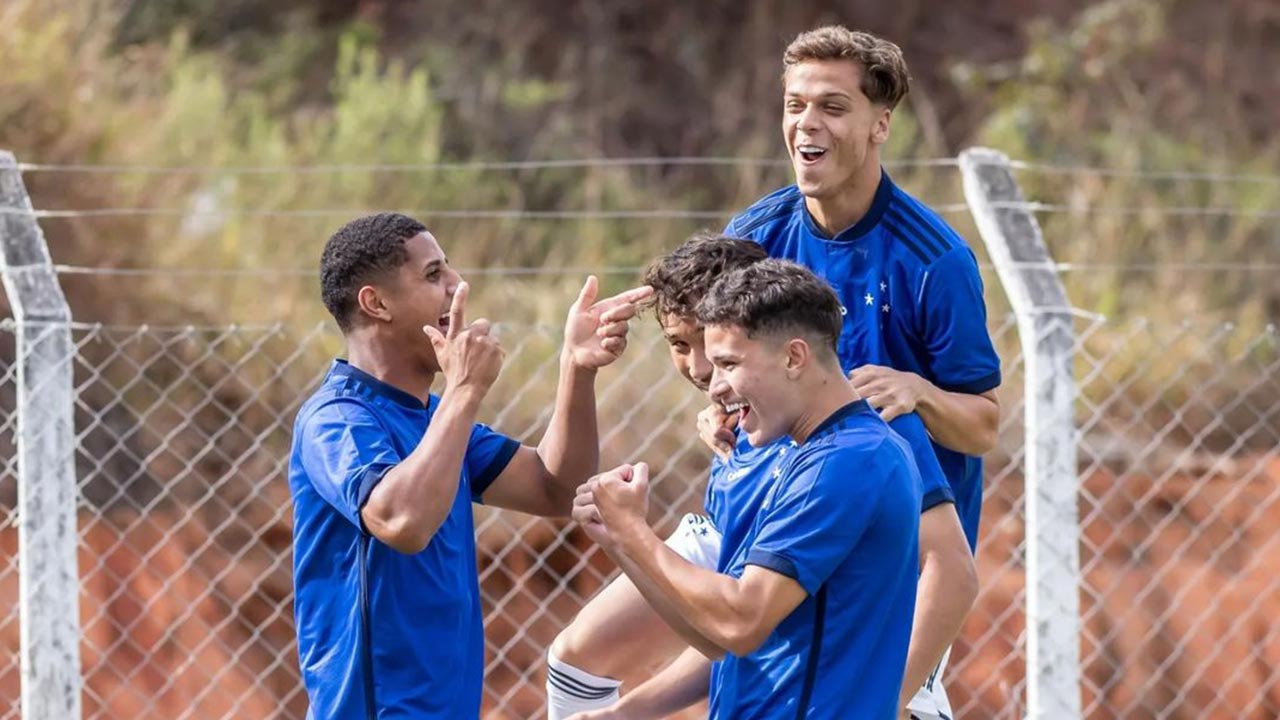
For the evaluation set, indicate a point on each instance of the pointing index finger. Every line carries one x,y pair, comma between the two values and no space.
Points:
627,297
456,309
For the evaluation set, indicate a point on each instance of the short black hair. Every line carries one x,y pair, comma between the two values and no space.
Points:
774,296
683,276
360,252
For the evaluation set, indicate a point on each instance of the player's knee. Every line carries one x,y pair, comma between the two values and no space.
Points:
571,646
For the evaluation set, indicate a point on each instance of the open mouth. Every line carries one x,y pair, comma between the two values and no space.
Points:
740,407
443,323
810,153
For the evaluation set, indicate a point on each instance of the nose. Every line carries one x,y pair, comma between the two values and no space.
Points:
700,368
808,119
454,280
719,389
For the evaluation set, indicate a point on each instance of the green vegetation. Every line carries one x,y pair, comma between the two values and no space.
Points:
156,87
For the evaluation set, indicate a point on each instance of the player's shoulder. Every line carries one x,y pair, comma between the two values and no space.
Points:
925,239
777,206
854,430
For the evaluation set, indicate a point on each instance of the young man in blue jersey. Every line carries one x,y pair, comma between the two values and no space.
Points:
383,474
617,635
914,335
812,615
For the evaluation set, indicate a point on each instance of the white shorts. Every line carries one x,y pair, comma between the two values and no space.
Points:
697,540
931,701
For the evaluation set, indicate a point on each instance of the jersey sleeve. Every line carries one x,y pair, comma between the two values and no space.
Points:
345,452
934,488
817,516
488,453
953,315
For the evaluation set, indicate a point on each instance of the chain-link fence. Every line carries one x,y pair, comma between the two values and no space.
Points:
181,442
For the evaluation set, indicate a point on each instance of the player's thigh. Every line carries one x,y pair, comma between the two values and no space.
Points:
617,633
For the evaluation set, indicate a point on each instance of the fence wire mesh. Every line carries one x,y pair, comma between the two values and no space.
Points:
9,617
185,520
186,601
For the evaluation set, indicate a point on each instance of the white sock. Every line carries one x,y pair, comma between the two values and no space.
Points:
571,690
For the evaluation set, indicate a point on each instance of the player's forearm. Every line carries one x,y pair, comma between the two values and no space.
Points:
947,588
682,683
713,605
570,448
414,497
663,606
960,421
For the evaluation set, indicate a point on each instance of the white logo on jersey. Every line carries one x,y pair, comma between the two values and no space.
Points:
736,474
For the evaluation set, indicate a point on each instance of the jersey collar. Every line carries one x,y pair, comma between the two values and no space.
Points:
880,203
853,408
345,370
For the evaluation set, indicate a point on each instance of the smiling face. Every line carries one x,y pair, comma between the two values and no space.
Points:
420,293
686,343
832,130
751,378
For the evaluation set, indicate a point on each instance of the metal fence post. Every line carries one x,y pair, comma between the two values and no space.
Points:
47,532
1045,325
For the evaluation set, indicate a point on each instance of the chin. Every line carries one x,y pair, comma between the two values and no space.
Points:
762,437
811,188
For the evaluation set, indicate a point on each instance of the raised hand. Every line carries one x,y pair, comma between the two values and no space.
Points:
892,392
468,355
595,333
613,502
715,428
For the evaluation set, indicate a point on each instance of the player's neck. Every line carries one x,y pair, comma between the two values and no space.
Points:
828,392
843,209
391,366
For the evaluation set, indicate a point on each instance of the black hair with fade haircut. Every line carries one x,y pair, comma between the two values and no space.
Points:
360,252
772,297
683,276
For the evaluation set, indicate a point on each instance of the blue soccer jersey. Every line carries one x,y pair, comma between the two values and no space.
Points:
911,295
738,485
736,488
382,634
842,520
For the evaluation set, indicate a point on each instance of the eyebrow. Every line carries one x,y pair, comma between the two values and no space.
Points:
823,96
431,265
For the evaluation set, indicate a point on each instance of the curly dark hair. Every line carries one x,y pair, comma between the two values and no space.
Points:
774,296
360,252
683,276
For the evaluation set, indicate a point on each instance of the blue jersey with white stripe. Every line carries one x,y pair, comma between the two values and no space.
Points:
382,634
911,295
842,520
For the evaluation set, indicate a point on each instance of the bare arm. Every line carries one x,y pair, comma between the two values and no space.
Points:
947,588
682,683
716,613
413,498
965,423
542,482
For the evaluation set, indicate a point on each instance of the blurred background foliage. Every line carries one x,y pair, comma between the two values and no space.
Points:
1125,85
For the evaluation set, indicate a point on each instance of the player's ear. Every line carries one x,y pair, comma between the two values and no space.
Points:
798,356
880,130
372,301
